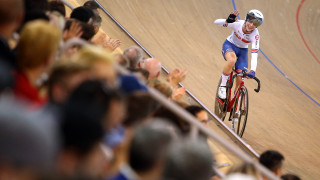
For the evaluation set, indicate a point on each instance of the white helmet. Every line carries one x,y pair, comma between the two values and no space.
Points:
255,16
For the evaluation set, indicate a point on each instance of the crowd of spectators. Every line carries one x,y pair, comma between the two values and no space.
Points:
67,113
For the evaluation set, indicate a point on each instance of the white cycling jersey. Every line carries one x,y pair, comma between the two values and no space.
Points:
242,40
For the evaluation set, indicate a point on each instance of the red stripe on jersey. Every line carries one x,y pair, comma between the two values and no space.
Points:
245,41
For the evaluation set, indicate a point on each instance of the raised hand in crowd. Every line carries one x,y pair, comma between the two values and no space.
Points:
178,93
176,76
75,31
111,44
99,38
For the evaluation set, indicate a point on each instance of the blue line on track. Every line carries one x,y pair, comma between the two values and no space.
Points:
235,8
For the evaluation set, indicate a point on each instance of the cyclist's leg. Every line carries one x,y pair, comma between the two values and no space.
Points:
229,53
241,64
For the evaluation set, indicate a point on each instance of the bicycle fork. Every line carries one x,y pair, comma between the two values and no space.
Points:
236,115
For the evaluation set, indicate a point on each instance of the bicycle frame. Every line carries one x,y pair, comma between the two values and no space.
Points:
230,101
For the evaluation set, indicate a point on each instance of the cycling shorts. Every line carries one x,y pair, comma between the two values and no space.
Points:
241,53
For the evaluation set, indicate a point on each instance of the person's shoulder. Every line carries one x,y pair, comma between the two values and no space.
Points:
240,22
255,34
256,31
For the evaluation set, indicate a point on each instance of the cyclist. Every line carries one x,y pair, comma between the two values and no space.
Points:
235,48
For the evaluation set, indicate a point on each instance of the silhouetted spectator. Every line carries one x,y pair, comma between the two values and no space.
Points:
272,160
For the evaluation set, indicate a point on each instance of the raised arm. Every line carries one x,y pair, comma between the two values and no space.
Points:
225,22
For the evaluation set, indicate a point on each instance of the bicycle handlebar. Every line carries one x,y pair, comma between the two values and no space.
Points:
243,74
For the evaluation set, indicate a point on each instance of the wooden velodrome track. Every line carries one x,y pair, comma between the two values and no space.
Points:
181,34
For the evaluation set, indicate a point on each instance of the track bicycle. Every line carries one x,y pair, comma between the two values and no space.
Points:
238,105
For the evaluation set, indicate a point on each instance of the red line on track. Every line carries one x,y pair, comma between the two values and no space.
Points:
305,43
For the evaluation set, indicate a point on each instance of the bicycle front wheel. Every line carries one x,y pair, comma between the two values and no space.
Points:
219,109
240,111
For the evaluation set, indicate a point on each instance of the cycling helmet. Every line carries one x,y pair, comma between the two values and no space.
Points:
255,16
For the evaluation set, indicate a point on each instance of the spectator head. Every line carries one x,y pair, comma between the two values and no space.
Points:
167,114
106,103
272,160
290,177
153,65
148,148
96,21
11,18
43,38
189,160
64,77
57,6
28,142
140,108
87,29
101,62
91,5
122,60
134,55
199,112
82,14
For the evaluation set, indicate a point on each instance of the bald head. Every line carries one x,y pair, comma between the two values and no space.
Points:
153,65
10,10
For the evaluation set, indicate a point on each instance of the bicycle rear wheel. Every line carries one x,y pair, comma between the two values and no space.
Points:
219,108
240,111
